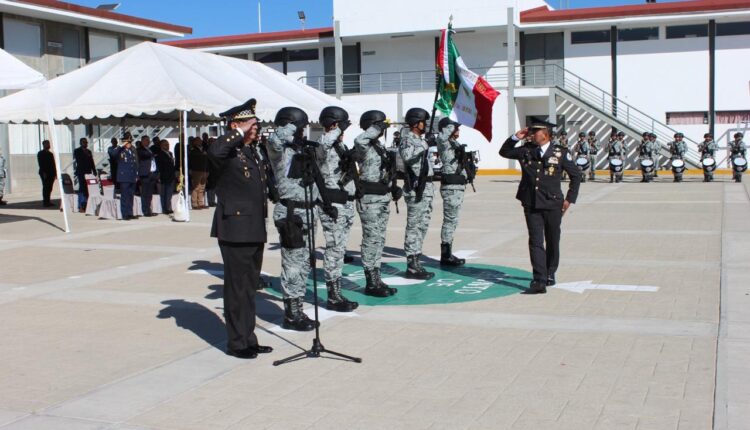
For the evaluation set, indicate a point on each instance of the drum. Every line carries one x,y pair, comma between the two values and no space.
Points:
678,166
582,162
615,165
740,164
647,164
709,164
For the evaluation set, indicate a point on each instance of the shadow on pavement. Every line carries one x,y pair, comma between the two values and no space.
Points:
197,318
5,218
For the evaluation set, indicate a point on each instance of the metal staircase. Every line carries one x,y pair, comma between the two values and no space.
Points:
603,106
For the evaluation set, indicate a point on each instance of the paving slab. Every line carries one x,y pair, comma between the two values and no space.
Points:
118,325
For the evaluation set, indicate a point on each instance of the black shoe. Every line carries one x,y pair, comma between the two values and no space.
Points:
260,349
414,269
294,318
247,353
536,287
375,286
348,259
551,280
447,258
336,301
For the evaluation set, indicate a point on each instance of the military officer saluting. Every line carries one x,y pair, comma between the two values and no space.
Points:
374,201
542,164
418,190
239,224
341,191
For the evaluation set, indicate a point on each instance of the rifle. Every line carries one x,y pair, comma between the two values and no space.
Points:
348,167
272,190
466,163
388,163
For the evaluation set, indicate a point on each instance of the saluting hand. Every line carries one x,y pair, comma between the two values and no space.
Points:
521,134
565,206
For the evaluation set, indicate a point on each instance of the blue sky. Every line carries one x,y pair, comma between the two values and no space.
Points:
223,17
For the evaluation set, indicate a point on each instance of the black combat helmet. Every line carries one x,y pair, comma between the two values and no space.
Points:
445,122
645,134
581,134
563,133
370,117
740,135
592,133
332,115
414,115
620,134
708,135
652,135
291,115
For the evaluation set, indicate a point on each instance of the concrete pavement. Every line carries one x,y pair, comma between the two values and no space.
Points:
118,325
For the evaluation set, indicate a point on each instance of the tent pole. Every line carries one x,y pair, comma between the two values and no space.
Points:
185,163
55,152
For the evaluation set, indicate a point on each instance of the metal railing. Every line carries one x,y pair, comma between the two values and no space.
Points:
618,112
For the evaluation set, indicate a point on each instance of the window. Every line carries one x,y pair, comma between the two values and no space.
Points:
684,31
130,42
71,50
687,118
303,55
102,45
733,28
268,57
239,56
732,116
22,38
597,36
633,34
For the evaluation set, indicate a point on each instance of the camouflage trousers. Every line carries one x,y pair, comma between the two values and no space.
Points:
295,262
452,201
373,215
2,186
418,216
336,232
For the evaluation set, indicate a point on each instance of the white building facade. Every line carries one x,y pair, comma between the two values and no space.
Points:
660,67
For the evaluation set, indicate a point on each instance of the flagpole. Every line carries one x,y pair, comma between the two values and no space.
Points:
437,81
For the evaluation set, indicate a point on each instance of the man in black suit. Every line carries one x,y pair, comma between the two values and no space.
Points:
167,176
84,164
147,174
542,164
47,172
239,224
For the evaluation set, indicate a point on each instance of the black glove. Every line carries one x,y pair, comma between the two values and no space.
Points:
380,125
343,125
430,139
331,211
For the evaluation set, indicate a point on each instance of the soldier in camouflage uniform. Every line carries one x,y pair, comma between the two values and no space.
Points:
2,179
452,187
290,216
708,150
594,150
374,203
736,149
418,191
341,191
616,151
678,148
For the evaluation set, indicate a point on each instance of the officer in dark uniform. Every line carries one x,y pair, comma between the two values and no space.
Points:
239,224
127,176
542,164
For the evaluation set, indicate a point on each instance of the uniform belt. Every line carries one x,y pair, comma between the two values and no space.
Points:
297,204
453,179
377,188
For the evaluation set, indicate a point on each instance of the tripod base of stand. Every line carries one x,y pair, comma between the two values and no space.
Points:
314,352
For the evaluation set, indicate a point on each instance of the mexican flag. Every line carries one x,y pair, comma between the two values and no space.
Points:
463,95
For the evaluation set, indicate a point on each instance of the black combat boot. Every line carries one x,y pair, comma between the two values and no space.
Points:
348,259
379,281
294,318
414,269
375,288
447,258
336,301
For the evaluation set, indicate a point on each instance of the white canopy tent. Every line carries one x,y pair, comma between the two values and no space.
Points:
15,75
159,84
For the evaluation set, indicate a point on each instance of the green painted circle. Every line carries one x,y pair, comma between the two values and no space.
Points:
467,283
